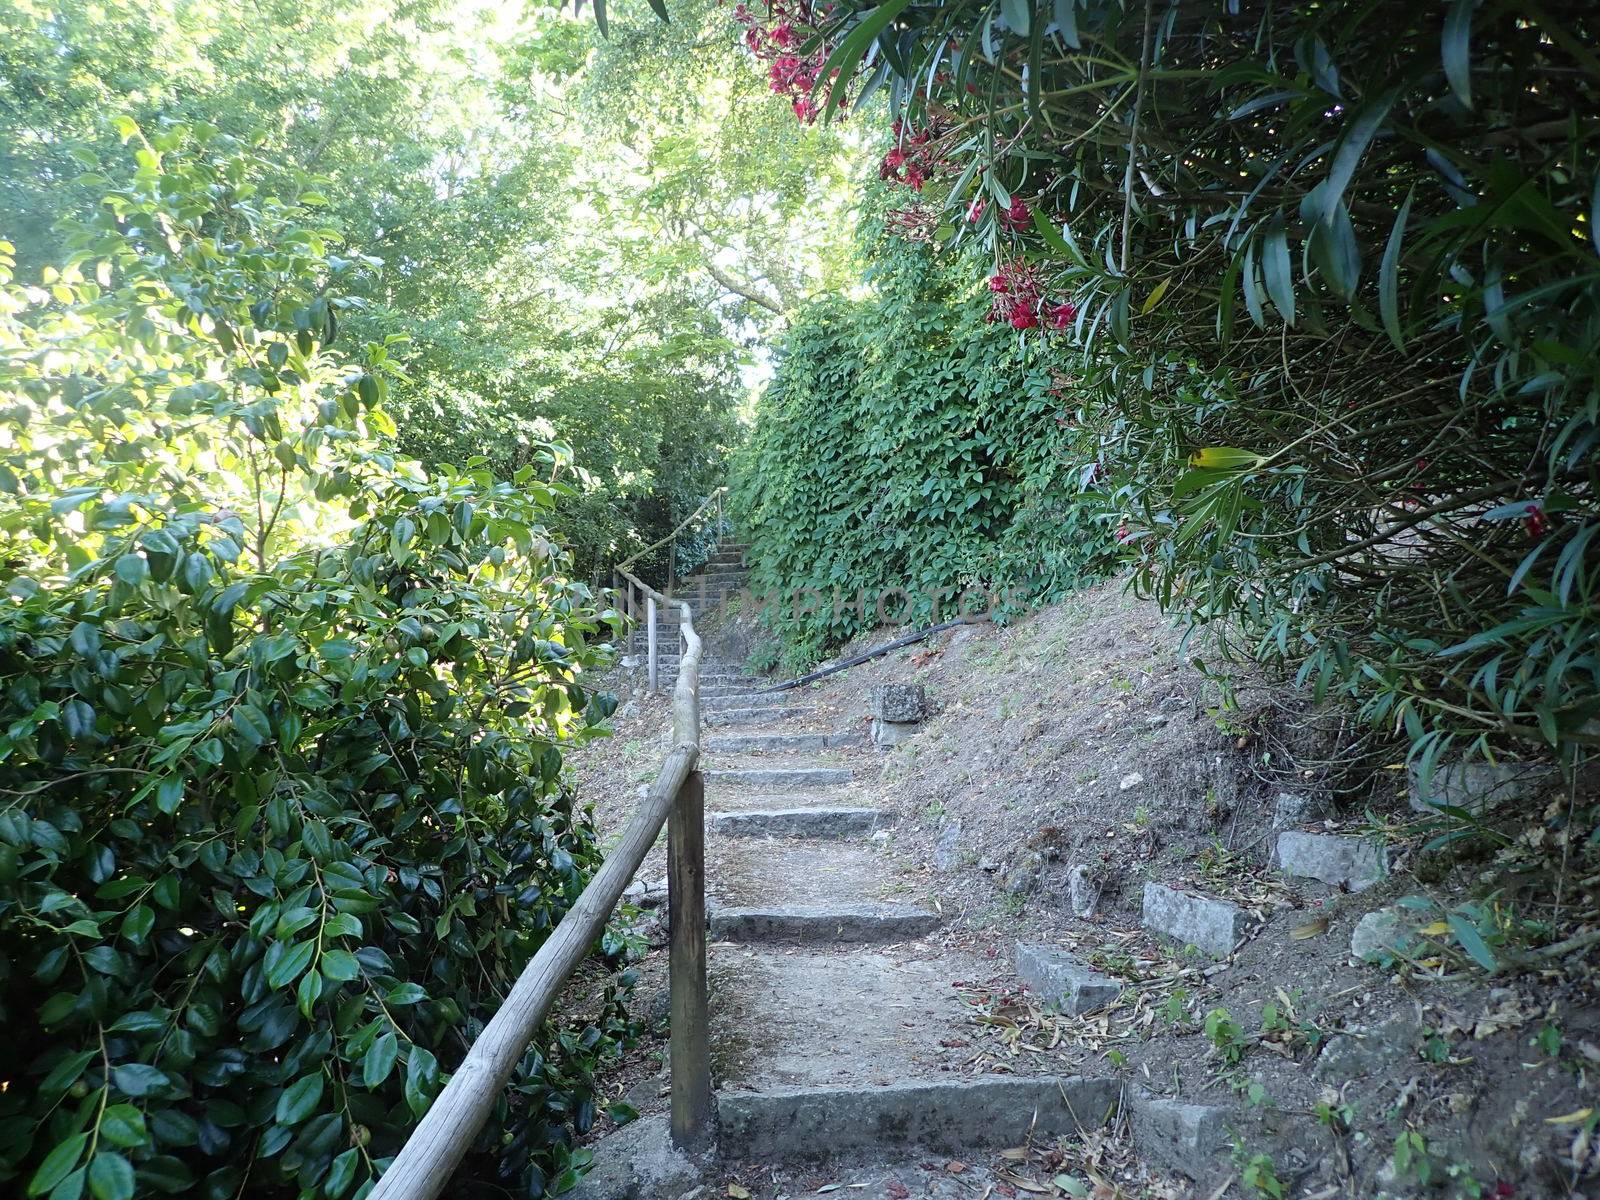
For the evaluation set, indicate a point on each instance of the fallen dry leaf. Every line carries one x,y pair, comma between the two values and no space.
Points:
955,1166
897,1190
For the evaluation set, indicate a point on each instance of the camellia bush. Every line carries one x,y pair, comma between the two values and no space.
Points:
1335,300
281,723
912,462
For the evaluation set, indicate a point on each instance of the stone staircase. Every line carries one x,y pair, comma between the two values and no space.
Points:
707,589
836,1027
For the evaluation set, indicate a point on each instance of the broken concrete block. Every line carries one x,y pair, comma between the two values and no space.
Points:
638,1162
1353,862
1290,809
947,851
1211,926
1059,978
1083,891
1192,1138
892,733
1385,932
1477,786
899,703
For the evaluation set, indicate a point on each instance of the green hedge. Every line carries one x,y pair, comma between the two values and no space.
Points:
281,725
907,443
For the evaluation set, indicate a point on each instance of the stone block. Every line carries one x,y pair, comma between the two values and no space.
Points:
892,733
947,851
1060,979
1290,809
1477,786
1211,926
1083,891
1192,1138
1385,932
1353,862
899,703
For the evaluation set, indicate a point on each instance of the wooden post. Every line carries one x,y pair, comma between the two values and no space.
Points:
672,567
650,639
692,1111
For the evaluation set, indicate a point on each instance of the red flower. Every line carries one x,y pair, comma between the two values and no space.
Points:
915,176
1063,314
784,35
1017,217
975,210
752,38
892,162
805,109
1024,317
1536,523
999,283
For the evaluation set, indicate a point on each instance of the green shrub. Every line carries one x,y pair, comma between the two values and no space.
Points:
1336,312
281,722
908,445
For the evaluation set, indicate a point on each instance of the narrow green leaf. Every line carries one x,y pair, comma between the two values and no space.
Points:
1275,262
1389,275
1472,941
57,1164
1456,49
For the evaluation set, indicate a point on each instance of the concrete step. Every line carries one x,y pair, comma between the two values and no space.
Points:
811,891
782,743
823,1051
827,924
820,821
756,714
943,1117
778,777
726,703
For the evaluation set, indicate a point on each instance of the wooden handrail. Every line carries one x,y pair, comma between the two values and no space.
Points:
682,525
423,1168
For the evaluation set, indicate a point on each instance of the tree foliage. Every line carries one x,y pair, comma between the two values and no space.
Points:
1335,299
911,451
281,716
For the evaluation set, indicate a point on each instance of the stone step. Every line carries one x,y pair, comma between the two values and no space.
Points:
817,1051
1212,926
811,891
759,714
781,743
822,821
825,924
1353,862
1059,979
778,777
944,1117
721,703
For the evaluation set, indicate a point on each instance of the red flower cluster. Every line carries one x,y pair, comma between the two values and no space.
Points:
1017,298
1017,218
914,160
789,73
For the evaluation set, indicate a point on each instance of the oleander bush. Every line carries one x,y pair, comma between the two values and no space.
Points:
1330,278
282,719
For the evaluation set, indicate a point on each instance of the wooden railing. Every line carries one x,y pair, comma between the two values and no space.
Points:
435,1148
637,601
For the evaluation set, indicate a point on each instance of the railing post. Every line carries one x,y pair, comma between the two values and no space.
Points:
692,1111
672,567
650,639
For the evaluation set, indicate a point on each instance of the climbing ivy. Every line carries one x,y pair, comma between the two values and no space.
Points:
908,449
281,723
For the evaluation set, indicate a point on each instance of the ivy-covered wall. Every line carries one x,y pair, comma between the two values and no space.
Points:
909,446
